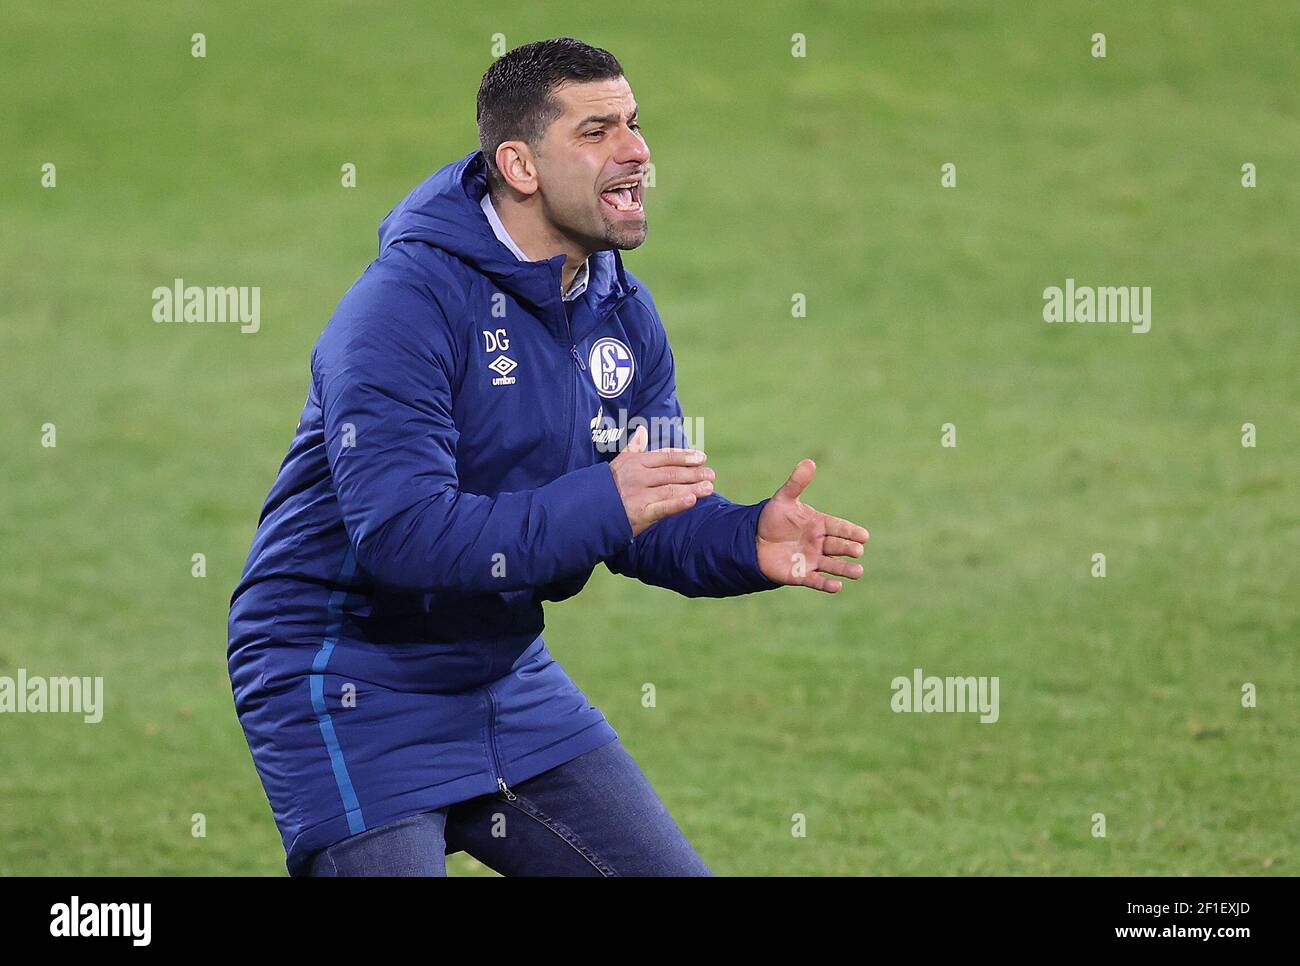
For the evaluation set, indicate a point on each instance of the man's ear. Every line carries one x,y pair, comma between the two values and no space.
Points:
518,168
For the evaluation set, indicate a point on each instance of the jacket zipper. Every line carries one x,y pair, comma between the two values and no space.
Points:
568,450
492,746
573,389
582,367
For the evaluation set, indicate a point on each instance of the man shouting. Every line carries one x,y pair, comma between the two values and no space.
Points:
450,473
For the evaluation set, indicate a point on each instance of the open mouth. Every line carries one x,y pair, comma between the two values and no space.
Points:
623,196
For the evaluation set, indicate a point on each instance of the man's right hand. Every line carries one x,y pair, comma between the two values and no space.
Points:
658,483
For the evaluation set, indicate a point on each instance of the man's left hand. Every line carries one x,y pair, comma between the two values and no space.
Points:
802,547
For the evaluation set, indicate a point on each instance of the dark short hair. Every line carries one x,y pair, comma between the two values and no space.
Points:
515,101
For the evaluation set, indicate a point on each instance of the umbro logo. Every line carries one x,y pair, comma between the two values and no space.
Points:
503,366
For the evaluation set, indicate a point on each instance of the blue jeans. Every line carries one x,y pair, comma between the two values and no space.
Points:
595,815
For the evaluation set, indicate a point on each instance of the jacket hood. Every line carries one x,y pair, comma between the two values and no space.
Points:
444,211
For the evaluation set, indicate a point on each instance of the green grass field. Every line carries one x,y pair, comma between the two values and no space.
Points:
775,175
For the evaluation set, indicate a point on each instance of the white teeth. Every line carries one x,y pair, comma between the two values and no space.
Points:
622,197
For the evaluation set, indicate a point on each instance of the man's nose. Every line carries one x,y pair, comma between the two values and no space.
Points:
632,148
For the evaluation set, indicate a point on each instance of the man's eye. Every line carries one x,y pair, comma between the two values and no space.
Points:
635,126
596,132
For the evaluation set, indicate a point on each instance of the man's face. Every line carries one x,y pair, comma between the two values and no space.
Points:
591,166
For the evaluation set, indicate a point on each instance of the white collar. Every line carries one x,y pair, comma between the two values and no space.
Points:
579,280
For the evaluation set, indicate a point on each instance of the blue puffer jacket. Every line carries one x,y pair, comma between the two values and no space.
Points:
448,476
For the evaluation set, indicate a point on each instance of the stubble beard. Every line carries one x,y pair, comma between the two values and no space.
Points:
606,233
623,237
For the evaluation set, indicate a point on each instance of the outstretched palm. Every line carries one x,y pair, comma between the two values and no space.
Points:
800,546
